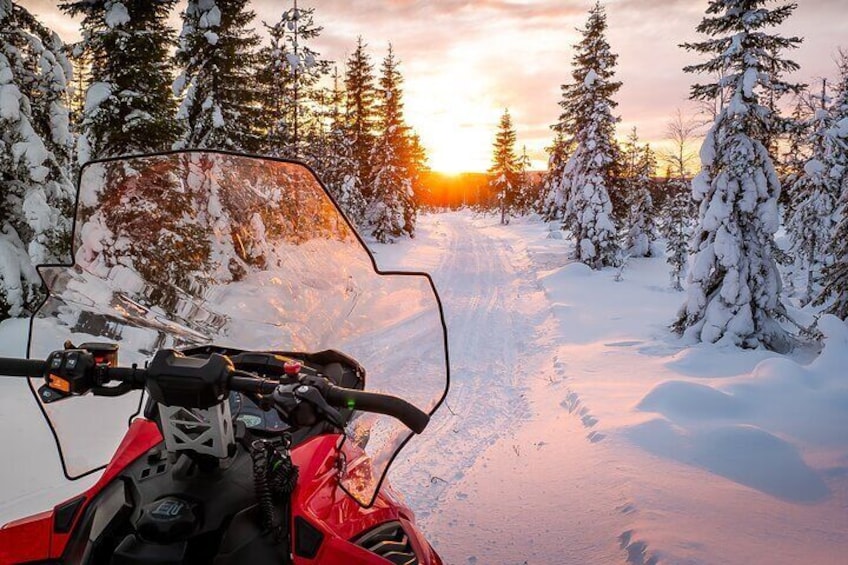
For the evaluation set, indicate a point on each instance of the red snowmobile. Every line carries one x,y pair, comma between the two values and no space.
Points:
195,344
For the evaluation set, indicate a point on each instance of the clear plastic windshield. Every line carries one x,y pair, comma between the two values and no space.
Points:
194,248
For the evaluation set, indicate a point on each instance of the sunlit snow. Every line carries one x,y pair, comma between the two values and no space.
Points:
578,429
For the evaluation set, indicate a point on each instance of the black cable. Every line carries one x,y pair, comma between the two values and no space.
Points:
284,473
264,498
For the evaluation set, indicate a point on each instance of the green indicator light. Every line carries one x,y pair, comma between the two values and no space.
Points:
351,404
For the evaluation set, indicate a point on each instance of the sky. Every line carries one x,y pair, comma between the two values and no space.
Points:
465,61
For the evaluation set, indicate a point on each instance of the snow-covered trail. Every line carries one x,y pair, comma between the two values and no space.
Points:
579,430
474,476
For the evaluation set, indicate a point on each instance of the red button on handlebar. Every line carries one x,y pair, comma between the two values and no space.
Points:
292,368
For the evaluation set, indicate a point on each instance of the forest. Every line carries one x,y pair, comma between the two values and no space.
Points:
773,157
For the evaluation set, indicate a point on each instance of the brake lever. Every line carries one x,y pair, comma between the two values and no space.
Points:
314,397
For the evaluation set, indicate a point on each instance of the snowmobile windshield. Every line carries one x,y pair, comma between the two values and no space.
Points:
199,247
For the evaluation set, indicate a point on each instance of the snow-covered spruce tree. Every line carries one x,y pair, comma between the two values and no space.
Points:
734,285
796,152
418,166
35,156
815,194
836,274
391,210
641,230
504,176
677,229
590,172
552,199
288,74
361,114
336,165
528,189
216,56
128,103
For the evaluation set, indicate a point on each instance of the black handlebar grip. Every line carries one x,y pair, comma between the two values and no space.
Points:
412,417
133,376
22,367
252,384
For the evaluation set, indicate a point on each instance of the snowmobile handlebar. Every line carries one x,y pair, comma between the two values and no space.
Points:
413,418
22,367
174,379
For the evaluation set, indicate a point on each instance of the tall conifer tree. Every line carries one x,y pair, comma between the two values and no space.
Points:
504,174
128,104
391,208
216,54
590,172
289,71
734,285
337,166
836,162
639,166
361,117
815,194
35,155
553,198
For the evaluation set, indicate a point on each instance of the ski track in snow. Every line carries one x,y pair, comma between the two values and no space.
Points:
481,291
505,375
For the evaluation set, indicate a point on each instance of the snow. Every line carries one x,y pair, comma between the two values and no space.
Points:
814,167
10,100
117,15
841,128
95,95
590,79
622,442
749,81
578,429
217,117
213,17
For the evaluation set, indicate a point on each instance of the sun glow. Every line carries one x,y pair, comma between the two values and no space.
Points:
454,113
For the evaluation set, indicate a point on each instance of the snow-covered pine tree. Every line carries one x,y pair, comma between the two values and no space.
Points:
390,208
641,230
528,189
734,284
128,103
288,74
337,166
416,156
677,229
504,175
361,114
36,147
836,163
552,199
815,194
590,172
216,56
796,152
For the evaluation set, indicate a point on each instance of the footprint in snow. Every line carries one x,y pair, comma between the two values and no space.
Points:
637,551
627,508
589,421
595,437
